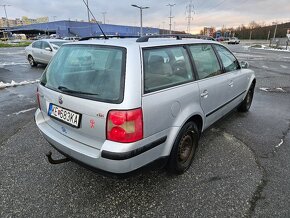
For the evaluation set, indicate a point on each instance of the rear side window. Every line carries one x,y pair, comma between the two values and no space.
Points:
88,71
205,61
36,44
229,61
45,45
166,67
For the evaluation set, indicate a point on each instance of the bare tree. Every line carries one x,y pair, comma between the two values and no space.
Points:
253,25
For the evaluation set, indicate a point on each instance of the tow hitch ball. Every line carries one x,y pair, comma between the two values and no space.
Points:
52,161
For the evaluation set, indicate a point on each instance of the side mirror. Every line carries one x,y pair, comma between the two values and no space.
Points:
244,64
47,49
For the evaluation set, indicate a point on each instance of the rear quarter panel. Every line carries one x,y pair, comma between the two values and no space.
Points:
168,110
28,50
250,77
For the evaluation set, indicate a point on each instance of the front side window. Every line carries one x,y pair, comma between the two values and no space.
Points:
229,61
87,71
166,67
205,61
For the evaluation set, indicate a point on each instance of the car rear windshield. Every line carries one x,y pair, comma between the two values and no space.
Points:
88,71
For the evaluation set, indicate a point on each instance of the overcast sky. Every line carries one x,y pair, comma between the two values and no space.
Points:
205,13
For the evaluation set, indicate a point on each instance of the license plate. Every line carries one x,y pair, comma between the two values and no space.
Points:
64,115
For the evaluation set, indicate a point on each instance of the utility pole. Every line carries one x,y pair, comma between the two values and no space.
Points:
251,35
170,17
141,17
189,11
104,17
88,10
268,35
275,32
4,6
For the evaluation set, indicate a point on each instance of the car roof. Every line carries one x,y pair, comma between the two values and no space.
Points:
52,40
126,42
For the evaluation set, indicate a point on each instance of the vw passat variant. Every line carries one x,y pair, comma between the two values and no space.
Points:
117,105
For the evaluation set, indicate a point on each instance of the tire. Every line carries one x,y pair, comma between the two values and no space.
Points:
247,102
183,150
31,61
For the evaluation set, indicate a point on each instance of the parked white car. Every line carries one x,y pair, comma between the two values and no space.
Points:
73,38
234,40
41,51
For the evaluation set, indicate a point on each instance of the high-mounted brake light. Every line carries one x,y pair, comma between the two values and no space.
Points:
125,126
38,98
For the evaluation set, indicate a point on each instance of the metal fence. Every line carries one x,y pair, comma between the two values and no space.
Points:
280,43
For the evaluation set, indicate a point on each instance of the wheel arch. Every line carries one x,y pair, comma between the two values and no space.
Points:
253,82
198,120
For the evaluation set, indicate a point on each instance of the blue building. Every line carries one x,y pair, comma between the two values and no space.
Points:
81,29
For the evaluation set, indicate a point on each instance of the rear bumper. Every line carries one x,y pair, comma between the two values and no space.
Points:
156,164
104,159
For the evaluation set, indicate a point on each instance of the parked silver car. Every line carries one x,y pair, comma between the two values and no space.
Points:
118,105
41,51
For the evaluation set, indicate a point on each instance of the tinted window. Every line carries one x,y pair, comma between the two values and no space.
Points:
205,60
94,72
45,45
36,44
57,43
229,61
166,67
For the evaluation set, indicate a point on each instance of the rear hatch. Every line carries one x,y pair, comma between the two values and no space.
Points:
78,88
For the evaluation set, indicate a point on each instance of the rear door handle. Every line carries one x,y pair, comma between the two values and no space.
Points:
231,84
204,94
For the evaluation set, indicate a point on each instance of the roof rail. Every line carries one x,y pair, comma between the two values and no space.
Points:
177,36
106,37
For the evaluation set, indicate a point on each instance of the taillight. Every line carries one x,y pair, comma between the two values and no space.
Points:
38,98
125,126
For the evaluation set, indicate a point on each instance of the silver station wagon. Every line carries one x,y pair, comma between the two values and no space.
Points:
117,105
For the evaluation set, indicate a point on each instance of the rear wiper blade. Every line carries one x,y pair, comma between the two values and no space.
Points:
65,89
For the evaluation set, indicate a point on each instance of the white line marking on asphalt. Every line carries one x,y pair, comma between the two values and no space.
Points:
12,64
281,89
284,67
265,67
12,53
281,142
22,112
264,89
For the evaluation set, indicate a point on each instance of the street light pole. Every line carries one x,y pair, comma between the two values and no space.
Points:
4,6
141,17
170,16
104,17
88,11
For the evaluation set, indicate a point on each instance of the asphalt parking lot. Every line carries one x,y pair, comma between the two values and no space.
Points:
242,168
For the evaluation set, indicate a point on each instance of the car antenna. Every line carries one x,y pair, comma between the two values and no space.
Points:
95,20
